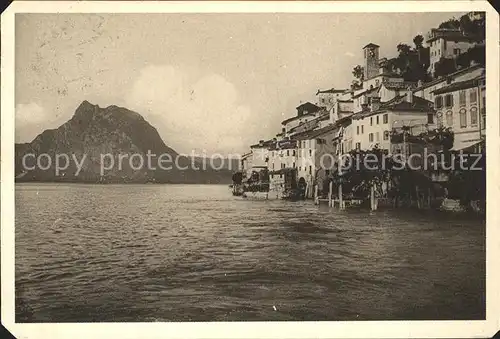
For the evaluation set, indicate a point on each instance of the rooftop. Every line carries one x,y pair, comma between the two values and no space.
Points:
368,91
312,134
449,34
459,85
437,81
398,103
331,90
371,44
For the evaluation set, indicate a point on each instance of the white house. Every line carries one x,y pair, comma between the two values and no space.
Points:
305,112
372,126
426,90
462,106
447,43
327,98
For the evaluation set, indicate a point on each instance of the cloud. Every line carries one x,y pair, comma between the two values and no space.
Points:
30,120
193,111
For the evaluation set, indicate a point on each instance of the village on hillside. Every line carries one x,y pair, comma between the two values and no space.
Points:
427,99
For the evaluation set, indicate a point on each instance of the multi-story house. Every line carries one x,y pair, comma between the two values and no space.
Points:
372,125
282,154
461,106
426,90
341,109
259,154
327,98
316,151
390,89
305,113
447,43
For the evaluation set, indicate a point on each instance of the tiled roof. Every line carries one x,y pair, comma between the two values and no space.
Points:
264,144
371,44
398,104
368,91
284,122
437,81
399,85
313,107
331,90
459,85
315,133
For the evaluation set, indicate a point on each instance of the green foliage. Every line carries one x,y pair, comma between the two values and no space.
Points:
467,182
450,24
444,67
438,137
358,72
418,40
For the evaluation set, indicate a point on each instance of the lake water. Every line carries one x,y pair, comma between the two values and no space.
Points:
196,253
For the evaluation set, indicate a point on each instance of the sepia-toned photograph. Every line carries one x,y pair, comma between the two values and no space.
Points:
240,167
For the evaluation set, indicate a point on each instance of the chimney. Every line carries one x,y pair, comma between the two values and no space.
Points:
419,83
409,95
261,143
375,104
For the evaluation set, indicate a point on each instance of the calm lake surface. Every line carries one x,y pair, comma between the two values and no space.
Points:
186,252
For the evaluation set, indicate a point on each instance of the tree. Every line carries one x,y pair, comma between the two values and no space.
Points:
444,67
418,41
359,72
403,49
450,24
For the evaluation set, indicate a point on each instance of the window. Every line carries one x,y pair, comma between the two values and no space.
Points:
377,120
310,169
473,96
386,135
463,117
386,119
310,152
473,116
456,51
358,145
430,118
357,129
377,137
370,137
439,119
448,100
362,129
287,152
438,101
371,121
461,98
293,152
449,118
293,165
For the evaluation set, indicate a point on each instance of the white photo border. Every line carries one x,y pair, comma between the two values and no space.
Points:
292,329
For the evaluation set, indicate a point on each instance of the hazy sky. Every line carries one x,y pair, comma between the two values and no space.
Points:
214,82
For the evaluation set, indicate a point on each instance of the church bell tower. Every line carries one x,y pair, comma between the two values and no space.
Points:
371,67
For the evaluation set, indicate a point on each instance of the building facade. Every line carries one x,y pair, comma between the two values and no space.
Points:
448,44
461,106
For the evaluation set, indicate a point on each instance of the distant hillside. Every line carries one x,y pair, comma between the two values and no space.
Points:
220,163
96,131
